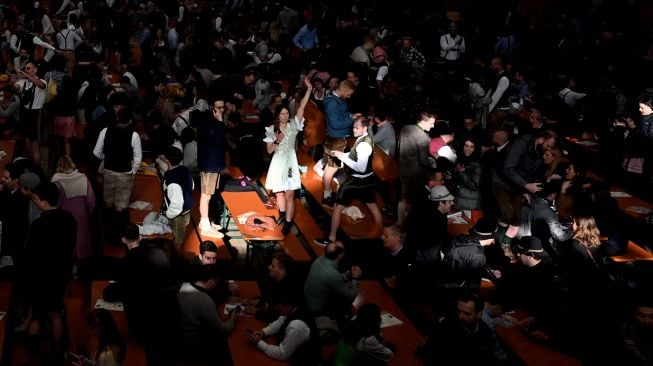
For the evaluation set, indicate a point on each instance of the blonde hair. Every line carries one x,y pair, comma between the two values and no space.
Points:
557,154
65,165
346,85
586,232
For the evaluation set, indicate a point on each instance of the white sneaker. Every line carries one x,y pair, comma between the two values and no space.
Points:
216,226
211,232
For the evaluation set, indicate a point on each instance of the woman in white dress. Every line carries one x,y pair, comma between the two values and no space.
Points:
283,174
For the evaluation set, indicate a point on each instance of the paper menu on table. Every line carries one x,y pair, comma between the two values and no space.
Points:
640,209
242,218
389,320
456,218
617,194
112,306
140,205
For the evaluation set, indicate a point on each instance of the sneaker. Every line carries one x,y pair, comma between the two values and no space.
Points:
322,241
216,226
211,232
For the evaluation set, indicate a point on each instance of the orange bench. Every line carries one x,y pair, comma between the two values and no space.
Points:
633,253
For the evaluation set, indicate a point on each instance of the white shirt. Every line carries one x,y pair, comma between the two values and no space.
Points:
570,97
297,333
364,152
502,86
68,40
39,94
98,151
175,199
451,50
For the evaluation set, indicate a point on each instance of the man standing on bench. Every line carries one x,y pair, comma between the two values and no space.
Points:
211,145
360,179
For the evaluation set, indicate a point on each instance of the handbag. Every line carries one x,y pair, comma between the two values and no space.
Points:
51,90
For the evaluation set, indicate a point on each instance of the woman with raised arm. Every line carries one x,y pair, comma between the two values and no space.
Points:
283,174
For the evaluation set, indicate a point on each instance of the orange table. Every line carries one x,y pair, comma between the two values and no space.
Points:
238,203
633,253
529,351
135,353
242,352
626,202
146,188
404,337
5,297
8,147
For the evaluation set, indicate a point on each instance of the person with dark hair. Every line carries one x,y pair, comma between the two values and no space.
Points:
177,195
646,122
637,334
211,150
518,176
111,345
413,161
283,176
282,281
148,288
47,273
298,338
463,339
202,331
540,217
467,176
383,130
362,343
208,254
119,147
327,291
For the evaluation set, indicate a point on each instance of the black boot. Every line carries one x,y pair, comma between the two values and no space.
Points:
286,228
282,218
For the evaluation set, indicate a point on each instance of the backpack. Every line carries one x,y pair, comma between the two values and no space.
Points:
245,184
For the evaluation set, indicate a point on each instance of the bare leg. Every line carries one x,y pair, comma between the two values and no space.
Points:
290,204
281,201
57,324
327,178
376,214
204,207
335,220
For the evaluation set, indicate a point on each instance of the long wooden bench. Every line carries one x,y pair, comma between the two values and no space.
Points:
528,350
364,228
307,227
633,253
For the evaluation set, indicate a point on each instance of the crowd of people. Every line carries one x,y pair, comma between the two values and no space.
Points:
473,100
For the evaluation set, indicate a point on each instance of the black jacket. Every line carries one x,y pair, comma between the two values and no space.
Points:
464,263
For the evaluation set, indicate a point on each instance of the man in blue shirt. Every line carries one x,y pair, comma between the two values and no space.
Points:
338,125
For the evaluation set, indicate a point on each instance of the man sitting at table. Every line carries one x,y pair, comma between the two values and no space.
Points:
327,291
298,339
463,339
203,332
208,257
